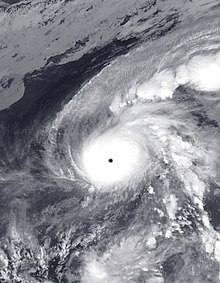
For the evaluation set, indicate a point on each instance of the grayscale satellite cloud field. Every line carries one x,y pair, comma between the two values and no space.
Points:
110,141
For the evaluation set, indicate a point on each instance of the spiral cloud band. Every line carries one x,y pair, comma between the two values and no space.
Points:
141,142
109,150
121,152
133,128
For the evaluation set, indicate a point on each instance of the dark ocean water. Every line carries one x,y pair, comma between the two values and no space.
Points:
59,222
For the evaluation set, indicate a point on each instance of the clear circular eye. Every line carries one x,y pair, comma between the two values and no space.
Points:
111,159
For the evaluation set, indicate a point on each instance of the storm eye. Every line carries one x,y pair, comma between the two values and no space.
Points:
112,159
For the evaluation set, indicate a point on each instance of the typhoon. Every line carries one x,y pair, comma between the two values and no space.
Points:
112,175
